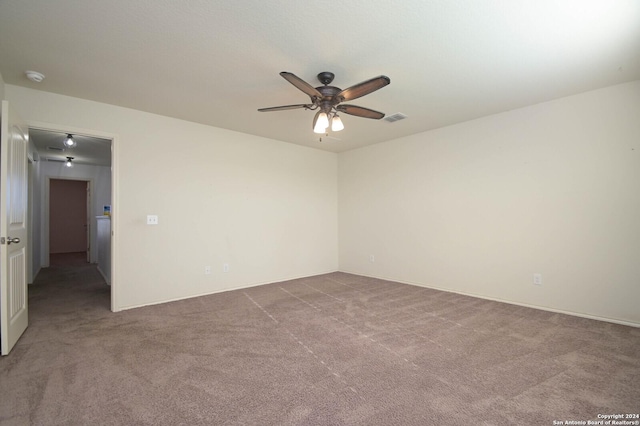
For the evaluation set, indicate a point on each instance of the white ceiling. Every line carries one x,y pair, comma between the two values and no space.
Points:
88,150
217,62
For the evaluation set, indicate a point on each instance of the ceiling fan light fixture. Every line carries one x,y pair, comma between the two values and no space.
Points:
319,129
69,142
328,100
336,123
321,122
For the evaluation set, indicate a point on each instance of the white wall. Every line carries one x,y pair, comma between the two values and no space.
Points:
100,176
480,206
267,208
475,208
35,204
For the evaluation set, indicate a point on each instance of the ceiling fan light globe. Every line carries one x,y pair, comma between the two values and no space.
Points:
336,123
323,120
319,129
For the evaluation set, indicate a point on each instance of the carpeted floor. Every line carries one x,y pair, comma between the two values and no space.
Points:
334,349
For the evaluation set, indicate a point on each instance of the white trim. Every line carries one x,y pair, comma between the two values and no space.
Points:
70,129
276,280
30,167
103,275
115,214
495,299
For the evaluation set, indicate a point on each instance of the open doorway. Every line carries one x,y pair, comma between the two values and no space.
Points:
69,223
72,191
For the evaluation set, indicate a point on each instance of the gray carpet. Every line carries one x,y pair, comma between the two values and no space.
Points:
334,349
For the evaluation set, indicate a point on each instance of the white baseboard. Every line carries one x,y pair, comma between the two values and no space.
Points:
277,280
103,275
495,299
35,276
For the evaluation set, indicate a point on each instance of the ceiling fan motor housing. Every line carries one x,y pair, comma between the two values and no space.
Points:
328,97
326,77
328,92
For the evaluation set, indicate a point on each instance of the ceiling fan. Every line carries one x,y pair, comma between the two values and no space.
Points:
328,100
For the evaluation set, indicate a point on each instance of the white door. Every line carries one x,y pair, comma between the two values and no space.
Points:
13,228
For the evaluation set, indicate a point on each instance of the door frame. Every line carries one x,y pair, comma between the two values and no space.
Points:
115,143
30,167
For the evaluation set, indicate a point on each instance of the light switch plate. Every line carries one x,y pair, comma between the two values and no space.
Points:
537,279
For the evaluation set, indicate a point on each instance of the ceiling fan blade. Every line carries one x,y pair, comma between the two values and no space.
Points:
364,88
284,107
360,111
301,84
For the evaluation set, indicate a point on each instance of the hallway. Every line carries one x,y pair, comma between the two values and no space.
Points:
70,283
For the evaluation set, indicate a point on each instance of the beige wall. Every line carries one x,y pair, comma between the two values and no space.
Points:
475,208
481,206
267,208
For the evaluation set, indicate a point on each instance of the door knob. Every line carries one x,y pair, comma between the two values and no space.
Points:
12,240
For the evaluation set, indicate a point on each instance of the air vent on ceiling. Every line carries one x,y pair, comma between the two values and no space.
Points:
56,160
395,117
55,148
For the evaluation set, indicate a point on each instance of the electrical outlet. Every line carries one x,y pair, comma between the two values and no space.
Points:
537,279
152,219
225,267
207,270
372,258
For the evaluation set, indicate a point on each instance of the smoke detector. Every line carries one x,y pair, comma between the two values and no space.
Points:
34,76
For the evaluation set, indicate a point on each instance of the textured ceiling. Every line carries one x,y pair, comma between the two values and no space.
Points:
218,62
